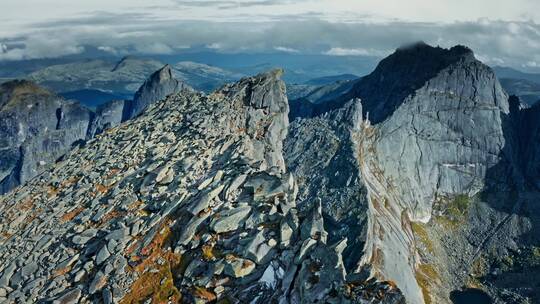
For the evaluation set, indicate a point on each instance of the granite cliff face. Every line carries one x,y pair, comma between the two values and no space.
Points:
37,127
443,171
441,138
189,202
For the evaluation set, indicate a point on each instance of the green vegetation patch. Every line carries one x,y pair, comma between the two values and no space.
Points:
453,211
422,235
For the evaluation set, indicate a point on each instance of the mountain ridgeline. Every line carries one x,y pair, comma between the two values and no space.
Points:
417,183
38,126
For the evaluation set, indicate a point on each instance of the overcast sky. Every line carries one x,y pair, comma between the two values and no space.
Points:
500,32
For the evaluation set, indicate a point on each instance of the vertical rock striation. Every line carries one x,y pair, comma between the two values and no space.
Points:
435,123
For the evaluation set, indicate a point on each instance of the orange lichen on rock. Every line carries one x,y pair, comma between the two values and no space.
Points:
25,205
155,269
60,272
52,192
208,252
427,277
113,172
203,293
157,285
102,188
136,205
71,215
112,215
70,181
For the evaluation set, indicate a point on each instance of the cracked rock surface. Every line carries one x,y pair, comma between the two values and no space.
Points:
190,202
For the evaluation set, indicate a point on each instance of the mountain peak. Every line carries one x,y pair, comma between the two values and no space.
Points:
406,70
265,90
421,46
435,56
158,86
165,73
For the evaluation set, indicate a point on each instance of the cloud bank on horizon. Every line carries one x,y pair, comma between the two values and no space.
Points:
505,33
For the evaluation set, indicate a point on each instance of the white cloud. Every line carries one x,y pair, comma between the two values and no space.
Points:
490,60
495,41
214,46
286,49
41,47
3,48
108,49
338,51
532,64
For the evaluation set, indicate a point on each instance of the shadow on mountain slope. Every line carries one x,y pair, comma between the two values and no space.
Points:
507,237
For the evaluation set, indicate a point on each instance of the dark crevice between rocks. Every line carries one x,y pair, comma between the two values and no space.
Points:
58,118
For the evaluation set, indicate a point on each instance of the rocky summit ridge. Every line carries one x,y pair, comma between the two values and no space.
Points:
189,202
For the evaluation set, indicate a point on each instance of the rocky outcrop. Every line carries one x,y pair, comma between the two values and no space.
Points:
109,115
438,152
428,137
189,202
37,127
158,86
321,153
456,115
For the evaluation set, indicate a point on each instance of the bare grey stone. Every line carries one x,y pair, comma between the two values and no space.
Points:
102,255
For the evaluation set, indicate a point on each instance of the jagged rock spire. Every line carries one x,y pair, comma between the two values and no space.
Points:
158,86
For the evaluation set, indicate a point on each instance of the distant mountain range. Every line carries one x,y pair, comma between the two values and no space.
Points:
315,77
524,85
96,81
506,72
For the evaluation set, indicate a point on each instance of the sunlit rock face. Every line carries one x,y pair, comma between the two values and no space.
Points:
443,136
158,86
434,126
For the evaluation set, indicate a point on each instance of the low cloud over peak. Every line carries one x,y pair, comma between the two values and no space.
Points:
304,27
